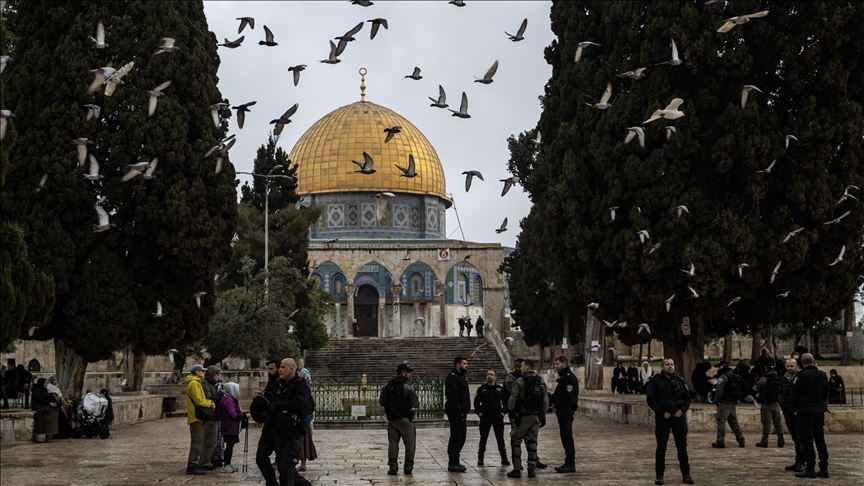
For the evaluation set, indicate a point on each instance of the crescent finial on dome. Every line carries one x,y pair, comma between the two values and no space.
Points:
363,83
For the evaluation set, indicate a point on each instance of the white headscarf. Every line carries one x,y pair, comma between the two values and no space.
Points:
232,389
646,374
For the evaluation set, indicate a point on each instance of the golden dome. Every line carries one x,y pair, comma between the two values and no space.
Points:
324,154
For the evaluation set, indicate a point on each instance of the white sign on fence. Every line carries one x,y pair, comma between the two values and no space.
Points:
564,343
358,410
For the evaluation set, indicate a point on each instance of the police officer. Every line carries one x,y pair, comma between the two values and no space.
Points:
565,398
457,405
668,397
508,391
527,421
490,406
810,402
727,404
400,422
785,400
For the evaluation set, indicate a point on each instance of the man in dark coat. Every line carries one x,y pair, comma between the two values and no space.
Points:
632,378
461,326
565,399
785,401
400,418
810,401
481,329
10,384
490,406
668,397
457,405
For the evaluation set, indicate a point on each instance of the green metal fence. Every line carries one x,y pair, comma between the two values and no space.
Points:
334,401
850,397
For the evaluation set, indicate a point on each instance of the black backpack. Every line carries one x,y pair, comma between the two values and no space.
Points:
733,390
533,398
769,393
396,404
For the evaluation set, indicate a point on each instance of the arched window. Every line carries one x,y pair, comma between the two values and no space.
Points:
416,286
462,288
338,286
477,289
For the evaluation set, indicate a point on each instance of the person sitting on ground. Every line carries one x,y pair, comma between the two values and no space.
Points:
836,389
231,423
645,374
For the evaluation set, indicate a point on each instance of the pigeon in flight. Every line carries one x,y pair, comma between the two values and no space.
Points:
669,131
241,112
381,203
518,37
99,41
669,302
775,271
366,167
93,111
376,24
81,144
580,46
792,233
644,327
463,109
790,137
643,236
244,21
362,3
487,78
297,70
415,75
268,38
391,132
151,167
633,132
671,112
736,299
117,78
409,172
167,46
741,267
503,227
597,360
233,44
284,119
458,3
198,296
214,112
219,146
469,176
610,324
155,94
537,140
839,257
675,61
100,77
783,295
693,294
692,271
604,100
222,152
654,248
3,61
441,102
158,312
171,353
4,116
133,170
593,305
104,224
739,20
508,183
837,220
421,320
635,74
745,93
42,182
612,210
349,36
93,173
682,209
846,194
332,58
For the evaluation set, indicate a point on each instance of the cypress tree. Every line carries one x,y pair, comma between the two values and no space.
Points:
173,231
805,59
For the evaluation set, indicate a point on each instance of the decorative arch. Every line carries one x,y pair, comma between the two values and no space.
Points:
418,282
376,275
332,279
460,278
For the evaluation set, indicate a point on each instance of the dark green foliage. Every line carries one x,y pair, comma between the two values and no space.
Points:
282,190
173,232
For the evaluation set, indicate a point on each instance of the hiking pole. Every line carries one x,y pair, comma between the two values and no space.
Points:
246,450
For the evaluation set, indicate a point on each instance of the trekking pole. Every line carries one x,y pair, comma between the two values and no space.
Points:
246,450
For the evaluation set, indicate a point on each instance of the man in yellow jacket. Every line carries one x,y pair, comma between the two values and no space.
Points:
198,429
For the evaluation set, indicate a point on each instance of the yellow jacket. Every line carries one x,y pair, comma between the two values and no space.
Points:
194,396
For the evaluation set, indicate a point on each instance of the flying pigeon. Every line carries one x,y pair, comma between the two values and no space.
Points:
441,102
93,111
839,257
597,360
715,344
776,271
622,324
669,302
241,112
104,224
644,327
171,353
741,267
376,23
612,210
155,94
783,295
158,312
537,138
81,144
42,182
332,58
469,176
3,61
167,46
654,248
693,294
391,132
214,112
100,76
671,112
793,233
643,235
421,320
408,172
134,170
635,74
739,20
669,131
837,220
244,21
117,78
99,41
4,115
268,38
790,137
381,203
151,167
508,183
503,227
415,75
610,324
219,146
223,153
233,44
518,37
349,36
366,166
745,92
487,78
93,173
845,195
691,272
362,3
509,339
682,209
580,46
297,70
604,101
284,119
614,351
331,242
463,109
675,61
593,305
633,132
478,348
736,299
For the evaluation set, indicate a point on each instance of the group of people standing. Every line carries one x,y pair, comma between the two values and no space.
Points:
16,379
631,380
465,326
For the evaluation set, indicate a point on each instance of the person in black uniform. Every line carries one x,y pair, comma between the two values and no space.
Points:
457,405
481,327
490,406
668,396
565,399
508,390
810,402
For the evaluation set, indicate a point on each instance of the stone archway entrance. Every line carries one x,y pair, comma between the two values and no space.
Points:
366,310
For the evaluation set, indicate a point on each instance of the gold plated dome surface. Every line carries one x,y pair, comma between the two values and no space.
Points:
324,154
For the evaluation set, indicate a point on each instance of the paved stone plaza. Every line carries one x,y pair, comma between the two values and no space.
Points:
608,453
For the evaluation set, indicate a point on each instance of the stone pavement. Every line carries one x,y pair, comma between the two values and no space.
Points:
608,453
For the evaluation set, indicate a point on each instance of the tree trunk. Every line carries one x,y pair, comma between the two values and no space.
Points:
133,368
593,371
807,342
673,347
769,338
727,347
70,370
849,325
755,347
640,353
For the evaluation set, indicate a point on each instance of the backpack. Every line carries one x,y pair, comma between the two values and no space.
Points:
733,391
533,398
769,393
395,402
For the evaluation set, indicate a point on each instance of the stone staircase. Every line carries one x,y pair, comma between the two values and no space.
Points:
345,360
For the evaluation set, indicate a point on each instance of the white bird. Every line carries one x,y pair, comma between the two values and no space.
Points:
537,140
644,327
715,344
597,360
593,305
508,183
622,324
42,182
643,235
155,94
767,170
463,108
104,224
197,296
675,61
171,355
220,146
158,312
741,267
32,331
776,271
635,74
487,78
693,294
93,173
671,112
654,248
736,299
4,115
148,174
167,46
441,102
691,272
604,99
793,233
116,78
837,220
614,351
81,144
845,195
503,227
478,348
633,132
214,112
612,210
138,168
784,294
381,203
790,137
745,92
580,46
739,20
100,77
93,111
295,311
99,41
508,340
223,153
682,209
469,177
122,383
3,61
669,131
610,324
839,257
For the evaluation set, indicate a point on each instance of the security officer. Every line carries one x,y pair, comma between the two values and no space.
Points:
400,422
785,400
810,402
727,404
508,391
667,395
565,398
457,404
490,406
527,422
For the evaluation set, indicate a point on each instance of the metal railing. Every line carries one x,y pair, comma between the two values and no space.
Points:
334,401
847,397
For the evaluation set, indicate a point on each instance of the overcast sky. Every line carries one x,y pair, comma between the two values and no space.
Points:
450,44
